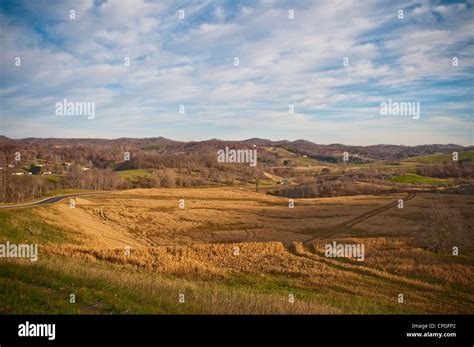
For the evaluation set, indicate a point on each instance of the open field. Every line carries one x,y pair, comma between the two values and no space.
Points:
210,215
390,166
233,251
411,179
132,174
441,157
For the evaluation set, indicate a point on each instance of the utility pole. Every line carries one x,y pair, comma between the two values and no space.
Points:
4,171
256,170
4,177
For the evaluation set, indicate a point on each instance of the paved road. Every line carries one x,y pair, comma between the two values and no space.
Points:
46,201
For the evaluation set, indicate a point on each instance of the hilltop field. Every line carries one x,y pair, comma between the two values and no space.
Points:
231,250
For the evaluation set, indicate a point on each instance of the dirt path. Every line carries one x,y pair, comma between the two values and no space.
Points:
361,218
375,212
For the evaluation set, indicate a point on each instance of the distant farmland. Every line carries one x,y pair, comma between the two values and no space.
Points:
441,157
414,179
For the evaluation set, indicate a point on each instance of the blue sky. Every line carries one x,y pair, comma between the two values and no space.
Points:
283,61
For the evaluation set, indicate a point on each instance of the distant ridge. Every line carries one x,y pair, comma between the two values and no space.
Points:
300,146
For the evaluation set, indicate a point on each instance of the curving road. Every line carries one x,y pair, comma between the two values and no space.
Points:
46,201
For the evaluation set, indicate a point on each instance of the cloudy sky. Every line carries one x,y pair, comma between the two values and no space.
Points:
283,61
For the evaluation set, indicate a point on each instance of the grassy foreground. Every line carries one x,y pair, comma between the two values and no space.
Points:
104,288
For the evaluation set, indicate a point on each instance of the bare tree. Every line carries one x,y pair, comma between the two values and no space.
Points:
442,228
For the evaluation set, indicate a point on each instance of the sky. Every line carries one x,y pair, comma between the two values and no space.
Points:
335,61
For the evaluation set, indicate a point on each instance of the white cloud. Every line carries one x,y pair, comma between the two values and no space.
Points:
191,62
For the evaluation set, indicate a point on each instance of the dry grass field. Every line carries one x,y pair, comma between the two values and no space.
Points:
234,251
152,217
